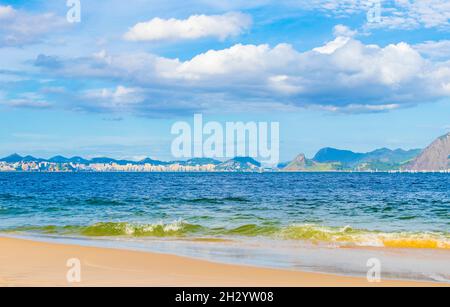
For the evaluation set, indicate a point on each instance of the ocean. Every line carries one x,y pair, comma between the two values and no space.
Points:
321,222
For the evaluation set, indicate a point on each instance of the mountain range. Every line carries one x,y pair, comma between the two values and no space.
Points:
242,164
332,159
434,158
15,158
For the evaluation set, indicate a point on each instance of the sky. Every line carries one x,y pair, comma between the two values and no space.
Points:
112,80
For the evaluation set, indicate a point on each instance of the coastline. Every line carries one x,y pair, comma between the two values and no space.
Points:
31,263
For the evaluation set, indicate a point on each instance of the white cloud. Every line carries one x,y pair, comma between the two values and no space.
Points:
352,62
25,100
18,28
196,26
343,35
240,61
6,12
435,49
285,85
361,108
332,46
29,104
121,96
341,30
343,76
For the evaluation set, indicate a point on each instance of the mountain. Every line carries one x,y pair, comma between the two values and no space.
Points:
302,164
31,159
298,164
327,155
239,164
391,156
59,159
14,158
435,157
380,159
153,162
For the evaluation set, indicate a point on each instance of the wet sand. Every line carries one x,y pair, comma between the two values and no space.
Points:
30,263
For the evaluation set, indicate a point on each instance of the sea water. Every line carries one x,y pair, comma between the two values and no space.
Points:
326,222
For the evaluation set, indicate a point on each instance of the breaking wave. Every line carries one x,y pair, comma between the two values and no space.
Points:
344,236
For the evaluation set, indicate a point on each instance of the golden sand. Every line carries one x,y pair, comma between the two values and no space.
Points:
29,263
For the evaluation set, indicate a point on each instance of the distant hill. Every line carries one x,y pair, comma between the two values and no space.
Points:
152,162
14,158
385,155
327,155
434,158
380,159
301,163
332,159
59,159
239,164
298,164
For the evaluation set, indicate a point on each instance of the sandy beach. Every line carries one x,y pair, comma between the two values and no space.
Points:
30,263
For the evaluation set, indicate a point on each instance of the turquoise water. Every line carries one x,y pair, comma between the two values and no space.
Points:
219,214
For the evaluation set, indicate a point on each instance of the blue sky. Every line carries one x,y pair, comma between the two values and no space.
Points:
114,83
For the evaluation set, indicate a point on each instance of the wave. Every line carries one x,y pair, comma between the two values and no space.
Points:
116,229
334,236
348,236
175,229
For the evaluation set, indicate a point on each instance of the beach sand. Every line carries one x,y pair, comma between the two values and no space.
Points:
30,263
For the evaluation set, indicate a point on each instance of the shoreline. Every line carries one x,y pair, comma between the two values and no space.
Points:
24,262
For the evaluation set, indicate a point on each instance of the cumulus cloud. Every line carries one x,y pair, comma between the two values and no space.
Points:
332,46
195,27
344,75
18,28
